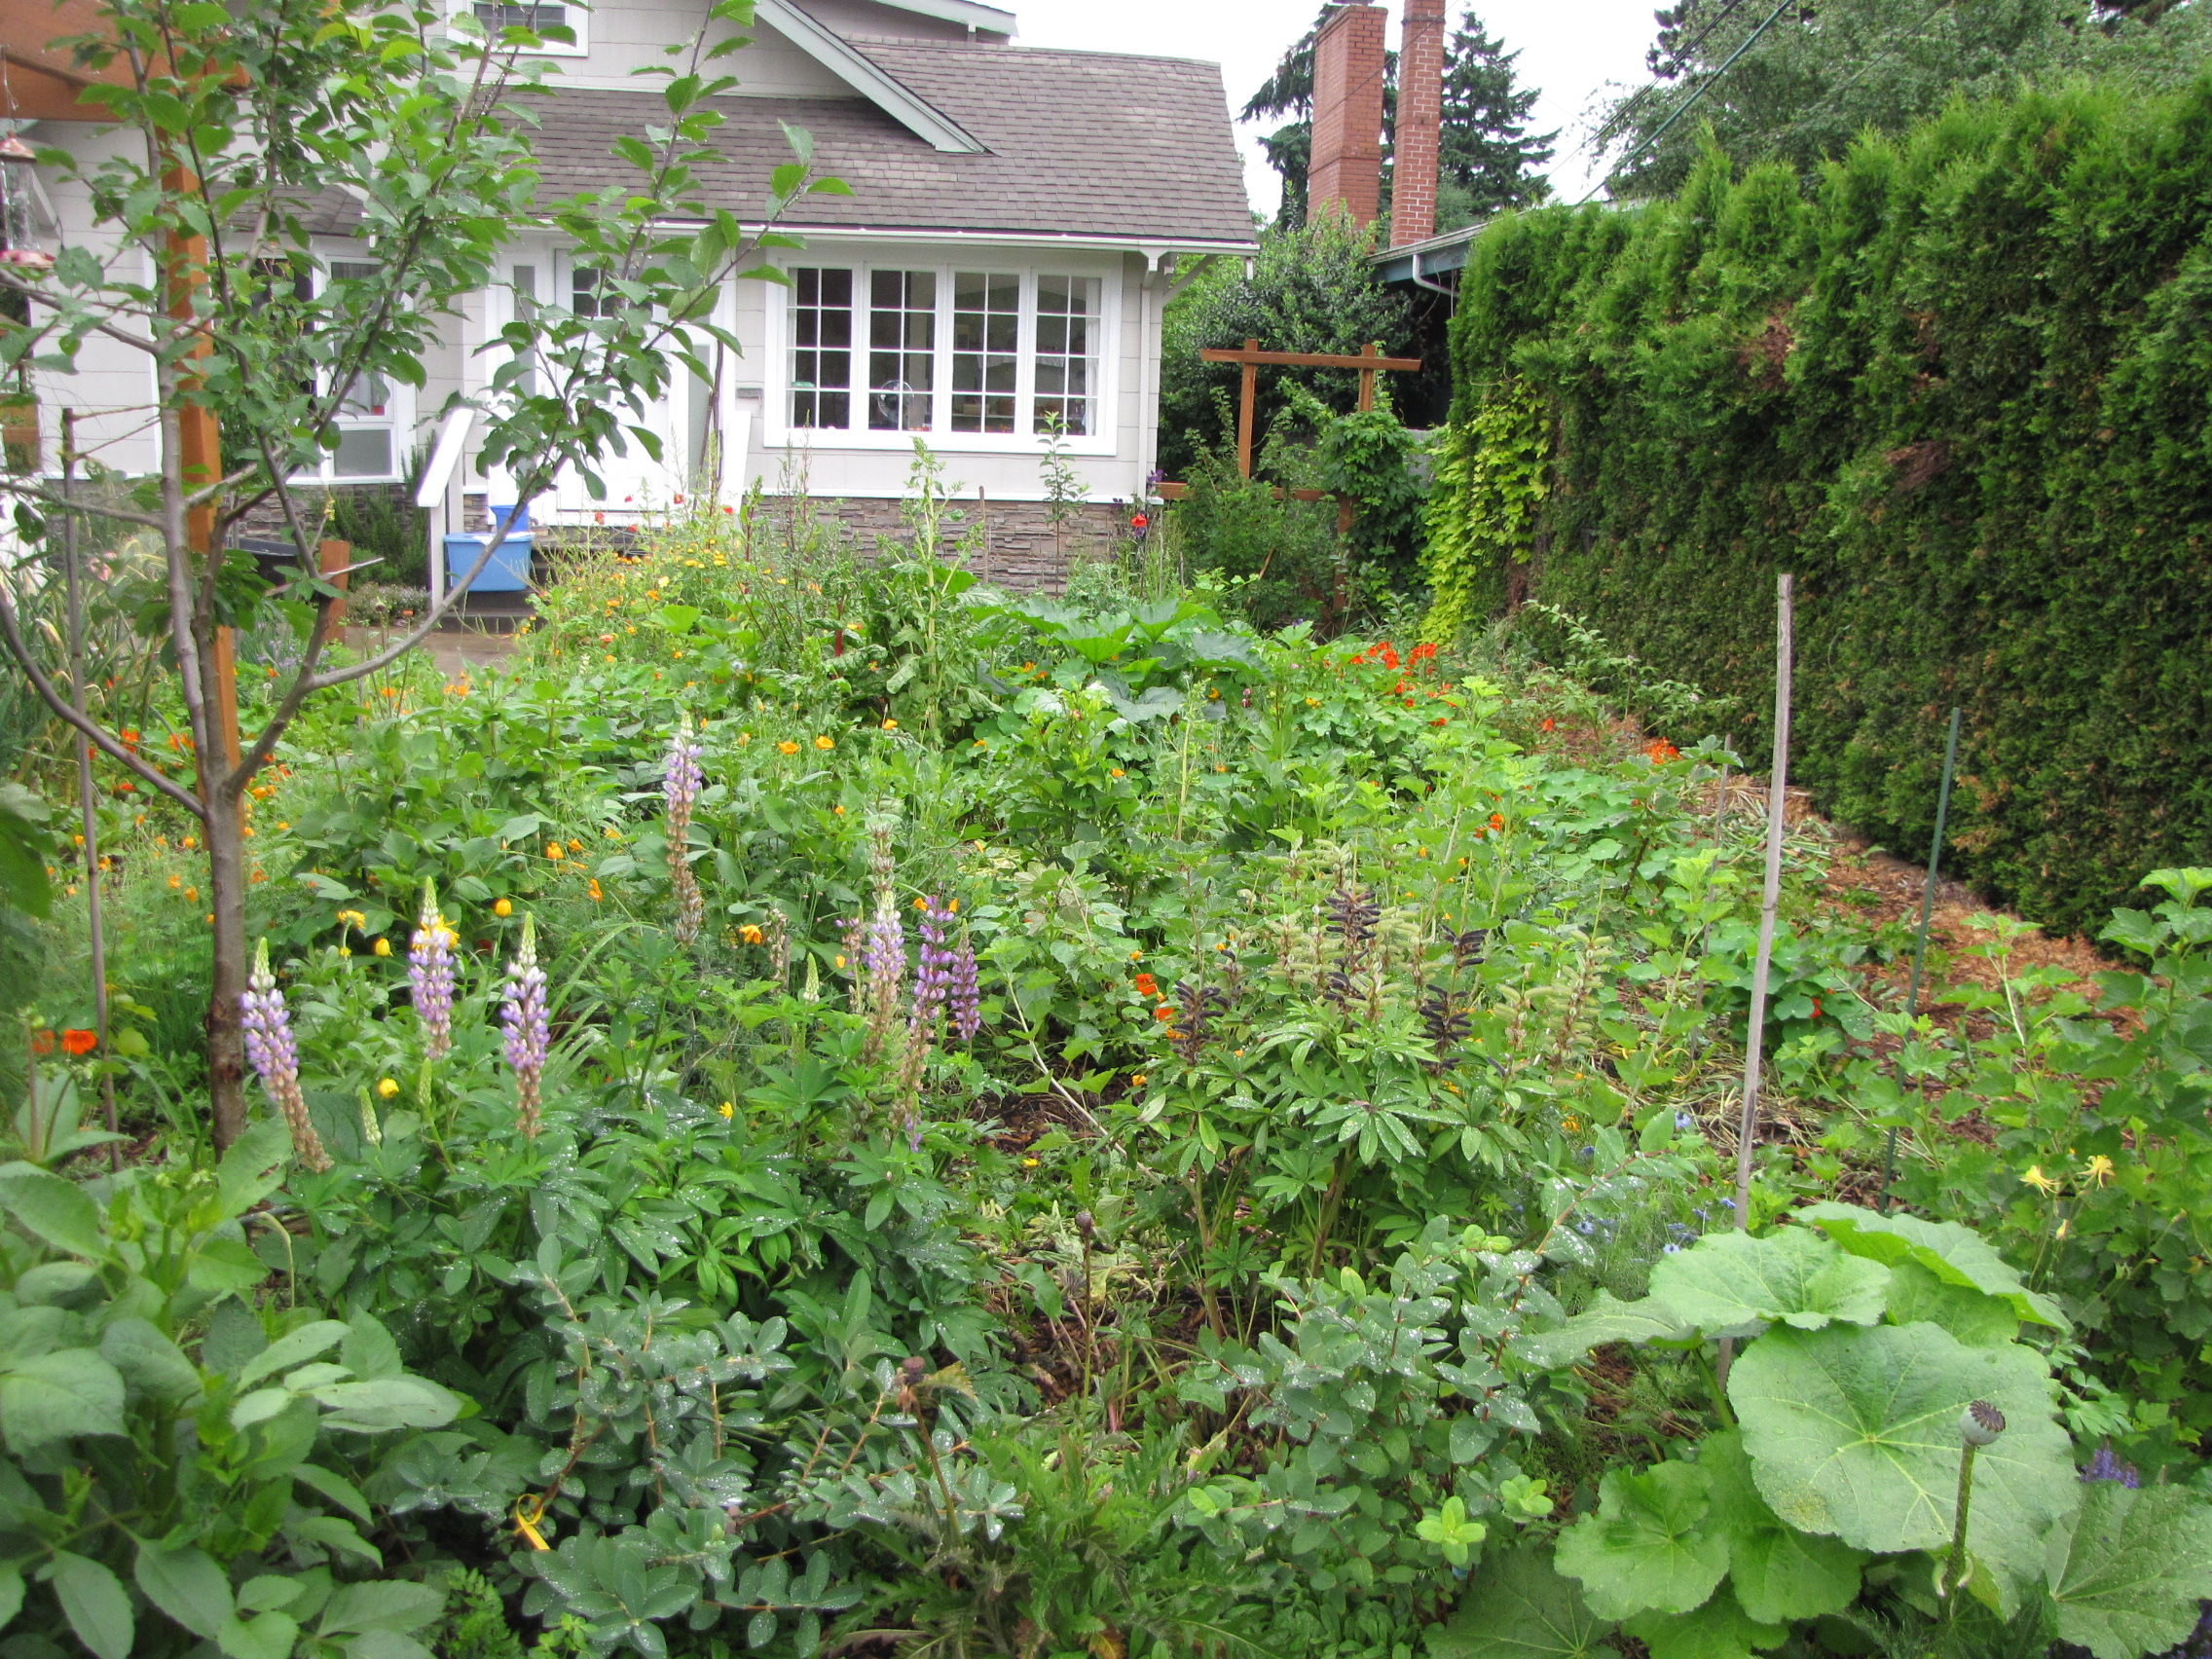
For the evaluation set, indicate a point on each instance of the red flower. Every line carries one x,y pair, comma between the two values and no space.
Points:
1660,752
41,1041
80,1043
1496,820
1140,521
1147,986
1816,1007
1390,656
1547,723
1423,652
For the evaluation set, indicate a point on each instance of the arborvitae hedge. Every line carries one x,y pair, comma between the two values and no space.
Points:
1964,391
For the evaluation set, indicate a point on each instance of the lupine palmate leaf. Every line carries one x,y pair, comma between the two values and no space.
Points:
1954,1254
2129,1570
1518,1609
1855,1433
1730,1283
1719,1630
1646,1549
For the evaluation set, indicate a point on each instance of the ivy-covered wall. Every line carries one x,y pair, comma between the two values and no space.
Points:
1964,391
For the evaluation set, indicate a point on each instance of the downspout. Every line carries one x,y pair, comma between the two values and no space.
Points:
1432,283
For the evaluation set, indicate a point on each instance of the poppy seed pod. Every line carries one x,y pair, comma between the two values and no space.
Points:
1980,1423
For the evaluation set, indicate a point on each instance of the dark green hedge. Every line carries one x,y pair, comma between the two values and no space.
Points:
1965,392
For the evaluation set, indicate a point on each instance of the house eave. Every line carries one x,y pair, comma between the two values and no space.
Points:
869,79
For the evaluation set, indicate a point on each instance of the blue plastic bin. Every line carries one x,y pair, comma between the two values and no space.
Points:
506,572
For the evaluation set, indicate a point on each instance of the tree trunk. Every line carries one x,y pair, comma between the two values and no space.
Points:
226,881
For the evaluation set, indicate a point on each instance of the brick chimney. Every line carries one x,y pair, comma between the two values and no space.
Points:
1421,117
1347,165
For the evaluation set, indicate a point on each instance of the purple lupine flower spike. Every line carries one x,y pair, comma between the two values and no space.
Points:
2104,1466
275,1057
932,974
965,998
680,787
430,974
522,1016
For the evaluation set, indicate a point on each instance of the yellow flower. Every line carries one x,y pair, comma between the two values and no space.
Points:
596,895
727,1108
383,947
191,893
2036,1178
838,810
387,1086
787,747
839,961
890,726
555,851
502,907
1029,1164
825,743
750,934
1573,1125
1137,1080
1119,773
2098,1170
575,846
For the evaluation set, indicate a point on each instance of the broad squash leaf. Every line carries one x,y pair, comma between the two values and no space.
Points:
1856,1433
1719,1630
2128,1571
1954,1254
1518,1609
1779,1574
1646,1548
1730,1283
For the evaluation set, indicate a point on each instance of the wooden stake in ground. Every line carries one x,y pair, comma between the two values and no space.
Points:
1927,913
1777,796
86,801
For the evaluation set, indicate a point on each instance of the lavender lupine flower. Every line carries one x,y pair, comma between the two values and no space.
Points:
275,1057
932,974
522,1016
681,785
2104,1466
430,974
883,947
965,997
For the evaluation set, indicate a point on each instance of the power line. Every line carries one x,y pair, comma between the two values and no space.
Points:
1710,82
1867,68
1598,138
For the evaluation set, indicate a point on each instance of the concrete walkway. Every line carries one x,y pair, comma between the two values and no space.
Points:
456,650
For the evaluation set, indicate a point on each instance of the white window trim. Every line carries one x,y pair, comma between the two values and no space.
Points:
778,432
576,18
399,407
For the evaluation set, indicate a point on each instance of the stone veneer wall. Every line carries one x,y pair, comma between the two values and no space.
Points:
1010,543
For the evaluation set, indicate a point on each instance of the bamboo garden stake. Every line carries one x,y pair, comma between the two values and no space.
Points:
1778,787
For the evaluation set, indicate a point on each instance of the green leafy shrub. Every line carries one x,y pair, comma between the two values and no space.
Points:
1960,391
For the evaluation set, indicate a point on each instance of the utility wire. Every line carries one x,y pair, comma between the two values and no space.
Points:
1895,47
1690,102
1684,54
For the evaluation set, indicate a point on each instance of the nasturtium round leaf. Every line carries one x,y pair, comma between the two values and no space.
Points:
1719,1630
1516,1607
1779,1575
1732,1285
1646,1547
1855,1433
2128,1571
1956,1255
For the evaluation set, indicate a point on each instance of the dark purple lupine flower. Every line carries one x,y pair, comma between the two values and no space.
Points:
681,785
430,974
965,997
2104,1466
523,1018
275,1057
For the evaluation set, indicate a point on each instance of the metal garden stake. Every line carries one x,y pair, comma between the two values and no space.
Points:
1926,908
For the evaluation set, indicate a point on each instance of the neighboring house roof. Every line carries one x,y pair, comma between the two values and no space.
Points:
1076,143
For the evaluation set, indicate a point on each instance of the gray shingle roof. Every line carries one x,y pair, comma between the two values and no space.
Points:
1079,144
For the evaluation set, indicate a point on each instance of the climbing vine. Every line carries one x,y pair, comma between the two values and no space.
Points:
1491,487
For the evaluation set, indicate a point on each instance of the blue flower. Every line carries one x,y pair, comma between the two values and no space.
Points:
1683,1121
1586,1226
1671,1249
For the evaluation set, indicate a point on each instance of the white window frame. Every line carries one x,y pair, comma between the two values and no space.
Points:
400,404
1028,264
577,20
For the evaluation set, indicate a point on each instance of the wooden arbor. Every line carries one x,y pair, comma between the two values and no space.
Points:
1368,362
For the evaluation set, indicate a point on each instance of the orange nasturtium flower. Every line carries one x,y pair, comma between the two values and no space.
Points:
79,1042
1166,1010
1147,986
787,747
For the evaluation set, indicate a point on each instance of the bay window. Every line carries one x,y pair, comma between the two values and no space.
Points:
988,354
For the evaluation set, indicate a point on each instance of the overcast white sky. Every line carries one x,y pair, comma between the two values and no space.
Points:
1570,49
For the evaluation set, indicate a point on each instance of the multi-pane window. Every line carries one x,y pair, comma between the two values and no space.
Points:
986,351
1068,312
822,348
1001,354
365,414
537,15
584,296
901,349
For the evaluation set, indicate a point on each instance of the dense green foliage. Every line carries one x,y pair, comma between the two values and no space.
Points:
1307,1232
1962,394
1819,77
